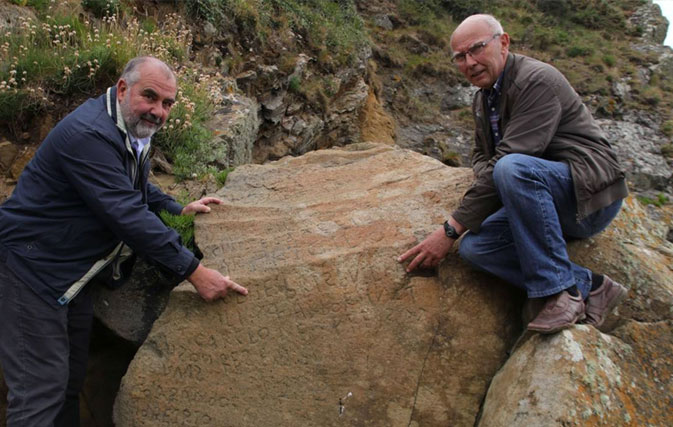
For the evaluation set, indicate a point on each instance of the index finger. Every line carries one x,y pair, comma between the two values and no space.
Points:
411,252
238,288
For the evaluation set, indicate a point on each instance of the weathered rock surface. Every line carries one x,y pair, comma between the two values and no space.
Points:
12,16
333,331
581,377
130,310
235,126
634,251
639,150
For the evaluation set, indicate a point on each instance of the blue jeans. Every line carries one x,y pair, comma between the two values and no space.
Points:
524,242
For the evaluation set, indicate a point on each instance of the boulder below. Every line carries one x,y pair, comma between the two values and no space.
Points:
334,331
581,377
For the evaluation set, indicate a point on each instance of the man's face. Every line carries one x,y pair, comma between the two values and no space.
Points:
481,54
145,105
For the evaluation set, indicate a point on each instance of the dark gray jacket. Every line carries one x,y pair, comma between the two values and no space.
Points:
541,115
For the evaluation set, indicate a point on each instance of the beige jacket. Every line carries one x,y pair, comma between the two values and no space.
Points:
540,115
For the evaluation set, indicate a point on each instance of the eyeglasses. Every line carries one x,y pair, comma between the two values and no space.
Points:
474,51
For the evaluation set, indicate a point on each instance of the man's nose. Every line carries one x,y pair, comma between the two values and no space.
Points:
469,60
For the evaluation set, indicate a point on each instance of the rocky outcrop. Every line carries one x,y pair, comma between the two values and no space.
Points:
638,148
12,16
130,310
333,331
235,126
649,20
581,377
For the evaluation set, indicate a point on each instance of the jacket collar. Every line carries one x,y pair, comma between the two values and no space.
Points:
114,109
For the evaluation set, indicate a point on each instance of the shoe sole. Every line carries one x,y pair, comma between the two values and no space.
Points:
611,306
557,328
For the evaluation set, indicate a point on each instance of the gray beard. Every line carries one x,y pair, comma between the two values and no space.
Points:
134,124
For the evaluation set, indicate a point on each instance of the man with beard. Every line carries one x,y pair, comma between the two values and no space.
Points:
84,193
544,172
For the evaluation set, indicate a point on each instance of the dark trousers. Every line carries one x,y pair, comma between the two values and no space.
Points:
43,353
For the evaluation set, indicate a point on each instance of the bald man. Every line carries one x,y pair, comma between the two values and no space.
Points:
544,172
79,205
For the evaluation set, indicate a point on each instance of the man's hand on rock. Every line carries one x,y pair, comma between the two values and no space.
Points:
200,206
429,252
211,284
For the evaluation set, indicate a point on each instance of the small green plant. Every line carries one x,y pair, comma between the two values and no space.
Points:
609,60
221,177
183,225
294,84
575,51
659,201
667,128
667,151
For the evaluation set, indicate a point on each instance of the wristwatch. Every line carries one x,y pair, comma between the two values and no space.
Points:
450,231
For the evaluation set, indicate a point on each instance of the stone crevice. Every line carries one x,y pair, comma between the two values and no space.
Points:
420,375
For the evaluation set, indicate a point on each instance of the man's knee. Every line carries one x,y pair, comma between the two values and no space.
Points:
468,250
509,166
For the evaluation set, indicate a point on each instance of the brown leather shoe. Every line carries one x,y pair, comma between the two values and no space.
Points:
603,300
560,311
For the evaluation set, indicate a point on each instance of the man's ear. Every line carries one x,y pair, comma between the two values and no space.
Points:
504,41
122,88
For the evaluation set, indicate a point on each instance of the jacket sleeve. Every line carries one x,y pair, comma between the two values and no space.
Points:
96,170
159,201
534,119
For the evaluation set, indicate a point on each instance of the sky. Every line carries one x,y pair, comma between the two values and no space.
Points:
667,10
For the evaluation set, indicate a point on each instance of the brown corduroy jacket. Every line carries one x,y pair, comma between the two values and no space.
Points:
541,115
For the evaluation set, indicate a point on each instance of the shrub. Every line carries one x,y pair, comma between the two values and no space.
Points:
101,8
667,151
294,84
609,60
667,128
575,51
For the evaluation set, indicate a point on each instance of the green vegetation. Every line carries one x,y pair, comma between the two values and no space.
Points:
667,151
659,201
221,177
332,29
101,8
183,225
65,54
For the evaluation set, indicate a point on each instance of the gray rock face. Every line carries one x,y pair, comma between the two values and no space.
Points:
582,377
11,16
639,151
130,310
654,26
333,332
236,126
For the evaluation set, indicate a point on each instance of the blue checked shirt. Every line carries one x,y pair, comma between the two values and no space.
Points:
492,101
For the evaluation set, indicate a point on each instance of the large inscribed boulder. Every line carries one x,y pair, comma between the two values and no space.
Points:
334,331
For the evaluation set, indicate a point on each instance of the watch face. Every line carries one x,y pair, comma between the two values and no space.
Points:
450,231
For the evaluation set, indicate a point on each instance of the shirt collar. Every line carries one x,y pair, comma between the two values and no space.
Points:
495,89
139,143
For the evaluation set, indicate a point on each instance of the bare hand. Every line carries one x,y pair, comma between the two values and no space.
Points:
200,206
429,252
211,284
